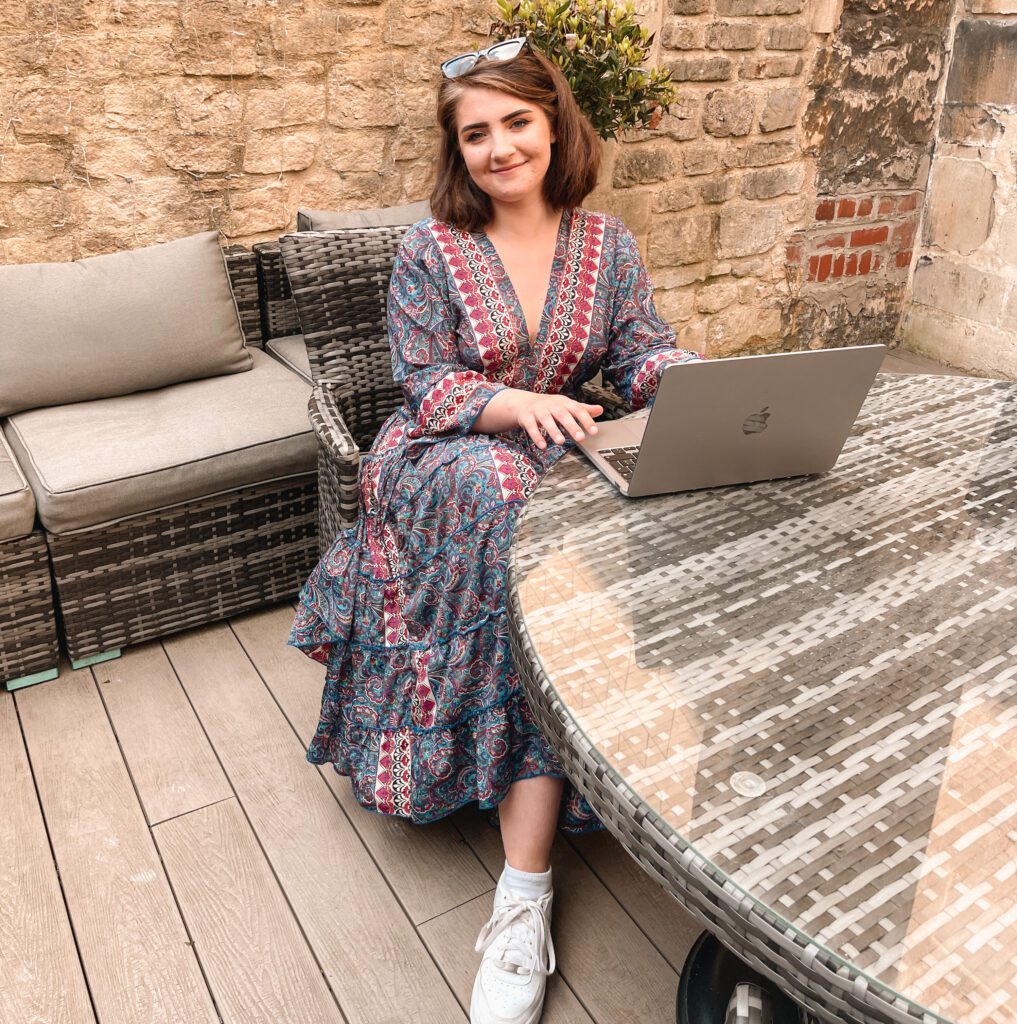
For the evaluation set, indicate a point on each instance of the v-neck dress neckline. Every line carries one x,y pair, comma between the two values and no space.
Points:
508,289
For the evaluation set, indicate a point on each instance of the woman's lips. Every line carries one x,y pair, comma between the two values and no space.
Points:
504,170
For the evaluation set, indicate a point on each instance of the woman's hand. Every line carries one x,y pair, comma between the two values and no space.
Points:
541,416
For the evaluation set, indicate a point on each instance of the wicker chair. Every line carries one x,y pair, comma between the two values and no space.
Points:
339,283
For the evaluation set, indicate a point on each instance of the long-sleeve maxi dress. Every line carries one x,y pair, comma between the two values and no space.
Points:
422,706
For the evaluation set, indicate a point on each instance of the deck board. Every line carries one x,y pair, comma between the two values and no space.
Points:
430,868
258,966
659,916
339,895
40,974
400,904
173,766
136,953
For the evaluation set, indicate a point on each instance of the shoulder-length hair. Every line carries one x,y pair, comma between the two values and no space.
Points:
575,156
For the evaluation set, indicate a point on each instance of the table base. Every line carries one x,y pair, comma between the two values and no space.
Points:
710,976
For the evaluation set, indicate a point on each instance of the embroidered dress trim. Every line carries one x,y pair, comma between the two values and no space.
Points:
569,330
490,317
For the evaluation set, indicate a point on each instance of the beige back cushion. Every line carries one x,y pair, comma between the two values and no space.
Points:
390,216
116,324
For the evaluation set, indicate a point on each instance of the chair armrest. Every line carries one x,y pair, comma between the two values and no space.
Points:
345,421
600,394
242,268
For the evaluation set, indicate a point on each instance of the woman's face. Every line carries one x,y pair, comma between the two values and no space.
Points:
505,141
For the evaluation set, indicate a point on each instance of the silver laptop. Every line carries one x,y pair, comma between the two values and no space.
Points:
734,421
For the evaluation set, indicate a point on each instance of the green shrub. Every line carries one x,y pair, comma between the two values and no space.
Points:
600,46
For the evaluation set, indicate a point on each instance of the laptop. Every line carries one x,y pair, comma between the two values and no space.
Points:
717,422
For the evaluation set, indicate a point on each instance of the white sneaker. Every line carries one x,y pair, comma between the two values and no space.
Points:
518,957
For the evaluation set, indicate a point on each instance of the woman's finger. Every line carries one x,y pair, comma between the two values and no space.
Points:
550,427
529,424
568,422
590,412
584,419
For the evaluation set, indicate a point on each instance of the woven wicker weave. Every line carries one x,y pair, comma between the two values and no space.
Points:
242,267
278,313
794,703
28,637
172,569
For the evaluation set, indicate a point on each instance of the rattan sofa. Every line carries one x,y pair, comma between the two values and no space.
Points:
28,638
186,499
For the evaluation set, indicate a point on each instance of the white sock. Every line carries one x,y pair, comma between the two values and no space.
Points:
531,885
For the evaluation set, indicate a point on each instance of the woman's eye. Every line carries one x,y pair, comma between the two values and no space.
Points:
520,121
473,136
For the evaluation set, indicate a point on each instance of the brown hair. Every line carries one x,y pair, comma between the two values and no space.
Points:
575,156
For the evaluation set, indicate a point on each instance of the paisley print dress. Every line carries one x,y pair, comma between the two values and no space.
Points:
422,707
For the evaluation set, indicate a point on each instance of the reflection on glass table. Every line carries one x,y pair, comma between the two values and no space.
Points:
795,703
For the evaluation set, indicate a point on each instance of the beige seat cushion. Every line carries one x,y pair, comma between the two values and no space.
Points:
292,352
95,462
389,216
17,506
111,325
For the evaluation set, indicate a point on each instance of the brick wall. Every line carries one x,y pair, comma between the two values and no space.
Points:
861,235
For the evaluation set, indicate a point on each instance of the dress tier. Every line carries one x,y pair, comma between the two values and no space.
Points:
422,707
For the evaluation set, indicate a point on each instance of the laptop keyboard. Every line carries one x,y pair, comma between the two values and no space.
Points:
621,460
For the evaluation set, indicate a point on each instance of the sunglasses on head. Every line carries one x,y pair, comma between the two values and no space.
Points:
505,50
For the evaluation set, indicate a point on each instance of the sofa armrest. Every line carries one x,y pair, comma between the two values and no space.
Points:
242,268
279,317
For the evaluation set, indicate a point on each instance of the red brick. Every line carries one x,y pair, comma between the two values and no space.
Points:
832,242
846,208
876,262
794,254
904,258
869,236
825,210
865,263
908,203
813,267
825,266
838,266
864,208
852,265
886,205
904,235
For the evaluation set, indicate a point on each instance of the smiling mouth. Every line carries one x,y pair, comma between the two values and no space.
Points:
502,170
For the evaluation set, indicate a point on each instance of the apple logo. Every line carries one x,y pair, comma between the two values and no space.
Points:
756,422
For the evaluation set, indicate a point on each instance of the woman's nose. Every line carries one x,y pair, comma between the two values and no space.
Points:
501,147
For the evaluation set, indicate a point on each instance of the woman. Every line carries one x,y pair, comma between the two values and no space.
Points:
500,307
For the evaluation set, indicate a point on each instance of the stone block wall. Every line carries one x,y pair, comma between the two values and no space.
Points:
964,300
776,204
126,122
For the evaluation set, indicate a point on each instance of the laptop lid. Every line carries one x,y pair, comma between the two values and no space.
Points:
733,421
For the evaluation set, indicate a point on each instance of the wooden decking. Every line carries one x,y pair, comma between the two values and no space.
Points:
167,855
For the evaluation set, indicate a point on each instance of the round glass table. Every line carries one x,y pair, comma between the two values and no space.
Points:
795,702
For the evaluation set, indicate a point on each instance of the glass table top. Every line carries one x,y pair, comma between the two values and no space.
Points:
814,681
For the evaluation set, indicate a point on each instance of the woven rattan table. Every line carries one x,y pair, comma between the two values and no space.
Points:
795,703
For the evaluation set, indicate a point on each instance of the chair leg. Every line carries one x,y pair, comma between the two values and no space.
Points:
30,680
95,659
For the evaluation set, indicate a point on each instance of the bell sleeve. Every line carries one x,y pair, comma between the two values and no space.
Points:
443,395
640,343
